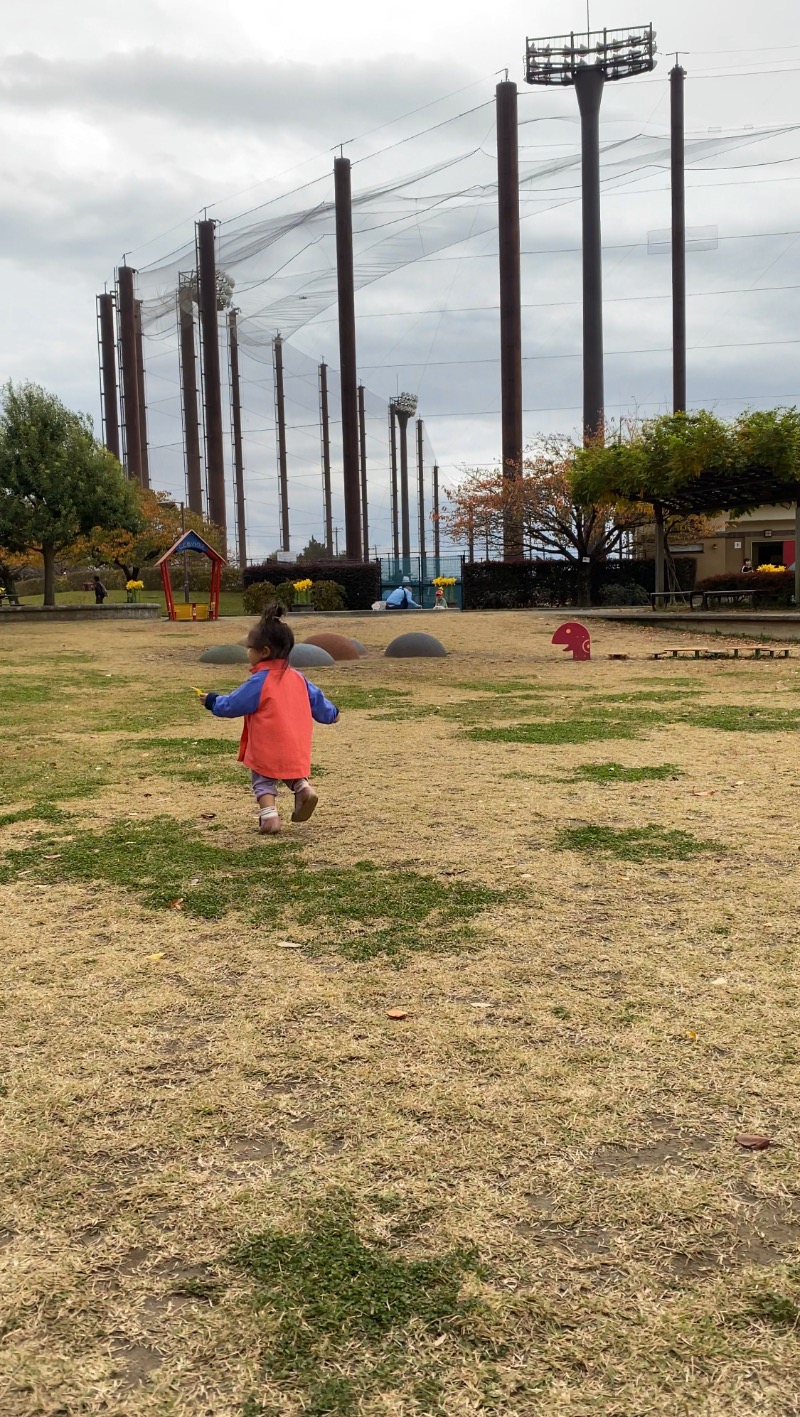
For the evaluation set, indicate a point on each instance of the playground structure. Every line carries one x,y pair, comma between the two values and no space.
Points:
192,610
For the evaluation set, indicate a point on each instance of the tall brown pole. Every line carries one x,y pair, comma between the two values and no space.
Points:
212,384
347,357
676,88
393,457
589,88
108,373
362,447
238,451
510,304
191,425
437,538
130,379
280,427
142,397
421,490
325,428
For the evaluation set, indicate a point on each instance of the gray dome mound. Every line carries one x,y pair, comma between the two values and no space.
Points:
362,649
310,657
415,645
224,654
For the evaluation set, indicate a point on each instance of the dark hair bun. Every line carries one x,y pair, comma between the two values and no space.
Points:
273,612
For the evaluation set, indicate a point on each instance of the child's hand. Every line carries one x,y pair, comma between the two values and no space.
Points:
203,698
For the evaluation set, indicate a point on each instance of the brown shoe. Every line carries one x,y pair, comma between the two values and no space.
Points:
269,823
305,802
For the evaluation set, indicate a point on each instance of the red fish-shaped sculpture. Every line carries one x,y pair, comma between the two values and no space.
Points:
574,637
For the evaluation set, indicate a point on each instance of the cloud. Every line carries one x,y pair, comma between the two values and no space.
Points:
338,101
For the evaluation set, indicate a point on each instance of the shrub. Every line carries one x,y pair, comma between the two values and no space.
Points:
778,584
624,595
327,595
260,594
360,582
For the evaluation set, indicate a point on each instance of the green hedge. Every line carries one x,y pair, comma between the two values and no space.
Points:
506,585
778,584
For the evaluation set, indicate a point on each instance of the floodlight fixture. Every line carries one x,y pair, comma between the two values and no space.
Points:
618,54
584,62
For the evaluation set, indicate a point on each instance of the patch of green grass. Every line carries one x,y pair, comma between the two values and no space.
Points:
362,910
40,812
634,843
777,1310
569,730
351,698
516,687
649,696
616,772
230,601
23,776
19,692
337,1307
735,718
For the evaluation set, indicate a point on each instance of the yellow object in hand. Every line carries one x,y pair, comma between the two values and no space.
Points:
199,692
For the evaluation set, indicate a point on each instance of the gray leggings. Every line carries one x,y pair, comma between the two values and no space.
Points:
268,786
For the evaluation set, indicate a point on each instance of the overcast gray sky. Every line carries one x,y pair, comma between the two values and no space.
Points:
119,123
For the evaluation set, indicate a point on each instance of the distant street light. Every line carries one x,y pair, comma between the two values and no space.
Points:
405,406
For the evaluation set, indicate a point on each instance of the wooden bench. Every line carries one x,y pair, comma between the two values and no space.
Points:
718,595
763,652
666,595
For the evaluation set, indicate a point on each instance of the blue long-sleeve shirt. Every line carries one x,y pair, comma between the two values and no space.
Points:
247,698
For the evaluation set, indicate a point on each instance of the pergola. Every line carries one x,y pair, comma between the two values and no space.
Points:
190,541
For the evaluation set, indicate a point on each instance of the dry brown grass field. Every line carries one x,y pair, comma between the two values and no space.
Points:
234,1186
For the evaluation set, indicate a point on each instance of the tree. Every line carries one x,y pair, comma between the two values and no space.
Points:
542,502
693,464
56,480
315,551
159,528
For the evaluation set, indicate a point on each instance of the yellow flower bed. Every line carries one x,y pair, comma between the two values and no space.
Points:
302,585
444,580
134,585
769,567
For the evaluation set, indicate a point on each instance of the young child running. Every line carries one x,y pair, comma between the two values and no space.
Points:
278,705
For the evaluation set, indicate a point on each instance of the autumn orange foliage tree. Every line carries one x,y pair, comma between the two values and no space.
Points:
129,552
541,500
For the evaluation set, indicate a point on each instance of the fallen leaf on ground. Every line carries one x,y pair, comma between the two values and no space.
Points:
397,1013
208,816
289,945
711,793
176,904
52,855
159,955
752,1142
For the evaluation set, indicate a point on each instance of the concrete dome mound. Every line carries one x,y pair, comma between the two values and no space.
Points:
337,646
224,654
362,649
306,656
415,645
